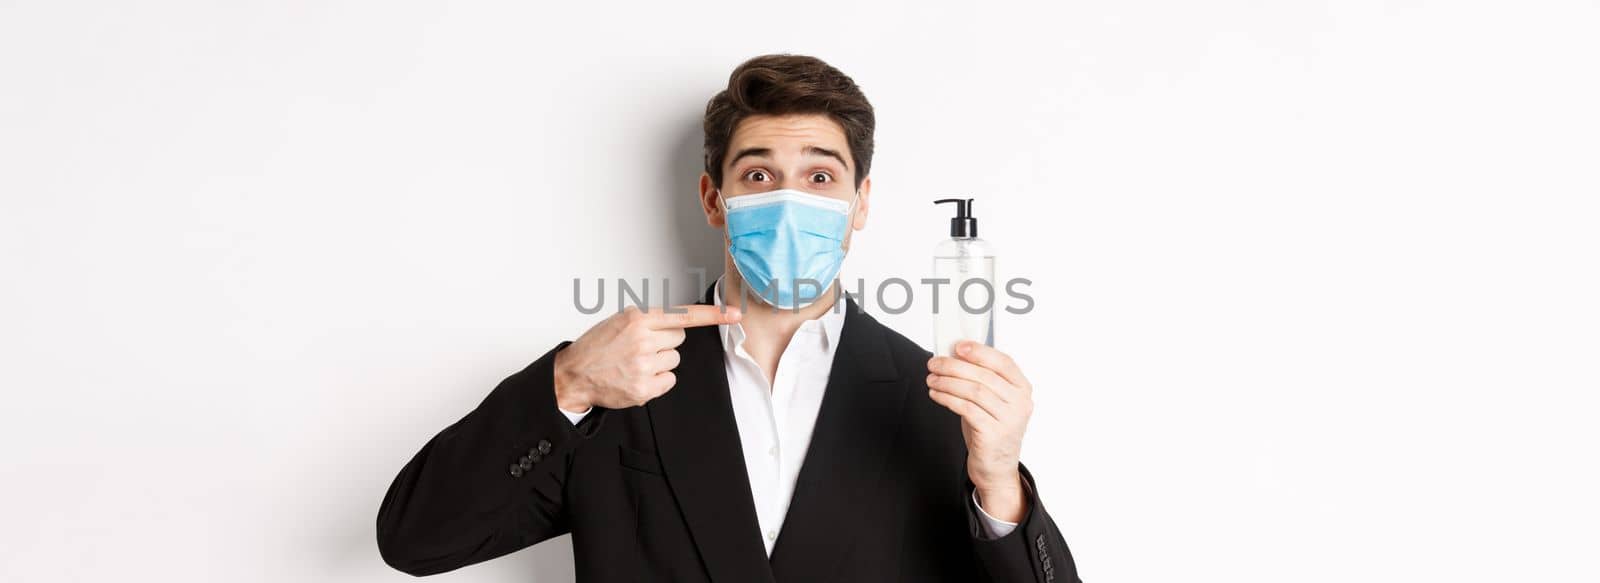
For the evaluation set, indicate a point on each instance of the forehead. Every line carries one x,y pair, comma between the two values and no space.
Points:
788,134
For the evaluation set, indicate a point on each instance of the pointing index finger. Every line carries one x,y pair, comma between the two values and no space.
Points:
695,315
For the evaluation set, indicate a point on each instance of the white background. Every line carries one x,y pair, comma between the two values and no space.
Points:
1316,281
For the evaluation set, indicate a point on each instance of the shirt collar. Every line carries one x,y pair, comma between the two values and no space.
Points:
826,327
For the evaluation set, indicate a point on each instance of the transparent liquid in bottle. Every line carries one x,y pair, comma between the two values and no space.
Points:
957,261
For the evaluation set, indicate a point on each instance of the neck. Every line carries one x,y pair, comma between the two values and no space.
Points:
768,329
763,319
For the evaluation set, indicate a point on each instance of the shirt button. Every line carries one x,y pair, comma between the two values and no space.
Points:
773,451
772,535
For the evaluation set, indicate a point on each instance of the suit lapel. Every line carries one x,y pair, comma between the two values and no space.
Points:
698,440
855,428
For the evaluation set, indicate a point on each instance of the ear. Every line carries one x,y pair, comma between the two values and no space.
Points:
859,221
708,202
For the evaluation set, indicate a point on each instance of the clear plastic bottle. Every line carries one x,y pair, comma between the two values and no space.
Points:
965,306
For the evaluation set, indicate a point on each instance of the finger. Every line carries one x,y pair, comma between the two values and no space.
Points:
660,383
691,316
667,360
664,339
971,391
967,410
991,358
950,367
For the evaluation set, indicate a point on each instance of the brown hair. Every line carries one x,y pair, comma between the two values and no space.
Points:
784,84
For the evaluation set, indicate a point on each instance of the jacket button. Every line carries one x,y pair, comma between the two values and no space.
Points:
516,471
525,463
544,446
536,456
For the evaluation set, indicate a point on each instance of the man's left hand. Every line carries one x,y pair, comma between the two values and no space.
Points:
985,387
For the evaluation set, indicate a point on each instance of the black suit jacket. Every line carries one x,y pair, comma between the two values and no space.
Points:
660,492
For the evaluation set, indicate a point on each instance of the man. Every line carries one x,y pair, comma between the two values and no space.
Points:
790,440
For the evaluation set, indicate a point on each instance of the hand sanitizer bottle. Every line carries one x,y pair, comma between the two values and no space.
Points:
965,306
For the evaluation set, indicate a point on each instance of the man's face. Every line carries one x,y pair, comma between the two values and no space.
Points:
808,153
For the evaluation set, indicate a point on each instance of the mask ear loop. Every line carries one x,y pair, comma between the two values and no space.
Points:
850,217
850,220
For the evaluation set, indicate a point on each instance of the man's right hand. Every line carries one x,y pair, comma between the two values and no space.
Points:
627,359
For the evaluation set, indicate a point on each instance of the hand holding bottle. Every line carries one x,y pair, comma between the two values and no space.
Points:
986,389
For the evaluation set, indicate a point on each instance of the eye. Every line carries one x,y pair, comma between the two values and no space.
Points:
757,175
820,177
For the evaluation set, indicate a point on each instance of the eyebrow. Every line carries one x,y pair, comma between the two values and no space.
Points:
767,152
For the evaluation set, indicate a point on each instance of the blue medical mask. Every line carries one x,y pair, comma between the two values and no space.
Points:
782,237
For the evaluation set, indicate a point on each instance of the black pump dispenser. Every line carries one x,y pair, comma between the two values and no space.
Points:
964,225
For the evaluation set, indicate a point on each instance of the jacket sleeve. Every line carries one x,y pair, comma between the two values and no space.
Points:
1033,552
489,484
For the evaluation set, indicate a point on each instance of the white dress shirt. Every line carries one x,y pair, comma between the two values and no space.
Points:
775,422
